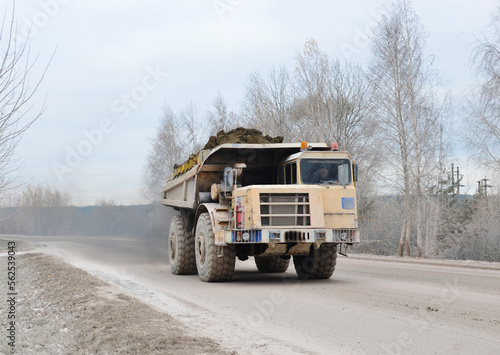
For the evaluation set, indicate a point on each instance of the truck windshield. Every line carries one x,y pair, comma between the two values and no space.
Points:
325,171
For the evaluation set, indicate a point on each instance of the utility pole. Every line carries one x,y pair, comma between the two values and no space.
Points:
482,188
485,186
452,180
455,183
459,179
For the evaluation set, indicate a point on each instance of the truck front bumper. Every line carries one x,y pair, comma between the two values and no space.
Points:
239,236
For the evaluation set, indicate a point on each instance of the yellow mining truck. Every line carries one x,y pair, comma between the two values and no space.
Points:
268,201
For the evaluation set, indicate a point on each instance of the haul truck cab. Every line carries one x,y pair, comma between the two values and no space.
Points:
267,201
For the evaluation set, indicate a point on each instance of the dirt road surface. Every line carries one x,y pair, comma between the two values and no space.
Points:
371,305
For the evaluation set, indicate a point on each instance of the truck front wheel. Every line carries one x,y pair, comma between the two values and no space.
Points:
271,263
319,264
212,267
181,245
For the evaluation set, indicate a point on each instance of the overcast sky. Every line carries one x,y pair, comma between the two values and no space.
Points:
117,62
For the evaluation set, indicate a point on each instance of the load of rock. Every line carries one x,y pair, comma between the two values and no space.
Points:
237,135
241,135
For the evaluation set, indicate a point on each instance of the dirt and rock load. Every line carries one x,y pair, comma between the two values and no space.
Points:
237,135
241,135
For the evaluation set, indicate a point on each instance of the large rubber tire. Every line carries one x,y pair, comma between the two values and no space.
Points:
271,263
319,264
181,248
212,268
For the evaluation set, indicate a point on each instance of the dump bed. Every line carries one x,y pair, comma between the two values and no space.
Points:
189,184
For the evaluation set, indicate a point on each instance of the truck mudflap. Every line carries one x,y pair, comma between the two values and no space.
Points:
306,236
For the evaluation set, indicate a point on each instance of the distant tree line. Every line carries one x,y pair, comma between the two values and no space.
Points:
42,210
464,228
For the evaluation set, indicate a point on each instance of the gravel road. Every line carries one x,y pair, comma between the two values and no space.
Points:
371,305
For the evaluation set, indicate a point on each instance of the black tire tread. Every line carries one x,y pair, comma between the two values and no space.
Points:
269,264
186,263
219,268
319,264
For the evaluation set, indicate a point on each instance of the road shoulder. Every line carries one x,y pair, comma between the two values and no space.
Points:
62,309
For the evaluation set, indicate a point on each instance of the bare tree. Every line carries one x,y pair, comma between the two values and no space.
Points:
483,123
334,101
219,117
269,103
312,76
16,100
482,133
194,129
404,104
167,149
177,137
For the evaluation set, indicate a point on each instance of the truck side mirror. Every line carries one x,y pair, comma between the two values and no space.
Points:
355,168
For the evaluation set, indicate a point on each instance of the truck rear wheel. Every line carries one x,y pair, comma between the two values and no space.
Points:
210,266
319,264
271,263
181,244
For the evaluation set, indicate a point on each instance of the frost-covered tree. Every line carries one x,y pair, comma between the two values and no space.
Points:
17,112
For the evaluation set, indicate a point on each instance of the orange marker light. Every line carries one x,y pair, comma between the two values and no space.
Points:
335,146
303,145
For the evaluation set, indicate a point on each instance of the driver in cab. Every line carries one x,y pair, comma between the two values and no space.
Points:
321,175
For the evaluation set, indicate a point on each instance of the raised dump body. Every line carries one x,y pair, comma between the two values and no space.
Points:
269,201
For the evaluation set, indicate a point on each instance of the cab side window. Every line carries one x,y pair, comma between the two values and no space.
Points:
291,173
281,174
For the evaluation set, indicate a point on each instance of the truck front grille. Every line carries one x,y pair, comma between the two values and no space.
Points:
284,210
